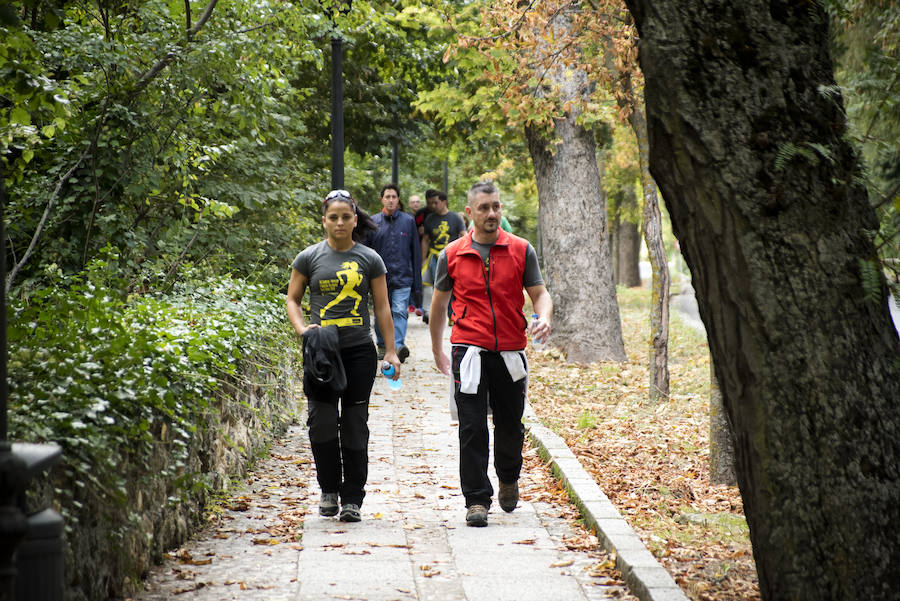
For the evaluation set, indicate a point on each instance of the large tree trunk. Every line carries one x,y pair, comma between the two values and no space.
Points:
748,149
627,241
575,245
574,233
721,441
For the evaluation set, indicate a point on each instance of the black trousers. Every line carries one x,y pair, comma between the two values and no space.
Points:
338,426
507,402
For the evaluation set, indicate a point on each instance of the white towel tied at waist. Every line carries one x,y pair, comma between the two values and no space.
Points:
470,368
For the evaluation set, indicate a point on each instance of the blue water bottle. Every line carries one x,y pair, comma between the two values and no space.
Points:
536,343
388,370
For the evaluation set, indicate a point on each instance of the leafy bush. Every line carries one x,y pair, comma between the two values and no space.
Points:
108,376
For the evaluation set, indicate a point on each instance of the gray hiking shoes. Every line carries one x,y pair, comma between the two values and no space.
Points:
508,496
328,504
476,515
350,513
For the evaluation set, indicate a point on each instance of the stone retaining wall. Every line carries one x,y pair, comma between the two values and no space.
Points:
113,544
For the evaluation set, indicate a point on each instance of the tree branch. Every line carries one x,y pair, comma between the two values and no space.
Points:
37,234
162,63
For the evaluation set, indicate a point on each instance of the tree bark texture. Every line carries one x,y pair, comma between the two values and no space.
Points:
627,242
574,232
660,285
809,369
721,441
575,245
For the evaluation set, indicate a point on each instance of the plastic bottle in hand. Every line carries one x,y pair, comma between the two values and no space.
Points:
536,343
388,370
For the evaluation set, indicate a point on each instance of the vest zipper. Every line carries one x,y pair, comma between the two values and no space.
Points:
487,284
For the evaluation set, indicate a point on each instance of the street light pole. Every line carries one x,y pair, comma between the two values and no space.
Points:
395,162
337,113
446,179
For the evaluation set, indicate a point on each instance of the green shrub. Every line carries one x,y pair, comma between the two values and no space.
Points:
107,376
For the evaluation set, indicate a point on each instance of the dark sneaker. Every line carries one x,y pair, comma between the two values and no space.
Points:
508,497
476,515
380,353
403,353
328,504
350,513
425,317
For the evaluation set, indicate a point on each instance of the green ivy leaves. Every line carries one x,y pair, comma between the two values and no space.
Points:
108,376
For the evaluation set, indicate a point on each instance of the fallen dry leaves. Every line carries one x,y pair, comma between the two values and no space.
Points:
538,485
652,460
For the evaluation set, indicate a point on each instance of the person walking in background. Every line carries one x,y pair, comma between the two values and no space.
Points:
419,211
440,227
423,212
480,278
397,242
415,203
339,359
466,221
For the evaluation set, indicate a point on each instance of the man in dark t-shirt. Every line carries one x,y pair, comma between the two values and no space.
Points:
441,227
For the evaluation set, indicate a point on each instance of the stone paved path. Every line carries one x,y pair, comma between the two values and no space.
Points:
412,544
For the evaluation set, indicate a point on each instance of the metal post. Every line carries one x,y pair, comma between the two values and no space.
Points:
395,163
337,114
446,179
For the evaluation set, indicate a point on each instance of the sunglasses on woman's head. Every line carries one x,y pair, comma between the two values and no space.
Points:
338,194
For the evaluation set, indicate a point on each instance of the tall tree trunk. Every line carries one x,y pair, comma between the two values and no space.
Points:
575,245
762,189
627,97
721,440
660,286
626,241
574,233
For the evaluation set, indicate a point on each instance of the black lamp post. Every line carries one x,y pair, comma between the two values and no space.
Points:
337,113
337,104
446,179
395,162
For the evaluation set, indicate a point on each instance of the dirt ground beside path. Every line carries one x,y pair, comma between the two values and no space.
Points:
652,461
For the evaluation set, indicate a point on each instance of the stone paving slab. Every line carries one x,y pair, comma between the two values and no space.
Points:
413,543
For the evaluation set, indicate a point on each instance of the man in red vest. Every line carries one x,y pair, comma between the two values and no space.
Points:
480,278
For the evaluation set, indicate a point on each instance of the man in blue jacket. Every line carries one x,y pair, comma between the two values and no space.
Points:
397,241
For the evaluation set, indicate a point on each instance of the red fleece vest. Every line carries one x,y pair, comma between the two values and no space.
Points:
487,300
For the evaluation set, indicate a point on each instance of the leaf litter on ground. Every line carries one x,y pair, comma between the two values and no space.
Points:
653,460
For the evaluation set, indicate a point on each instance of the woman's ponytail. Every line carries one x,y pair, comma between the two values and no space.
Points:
364,225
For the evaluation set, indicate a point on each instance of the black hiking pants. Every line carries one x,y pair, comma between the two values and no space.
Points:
338,426
507,402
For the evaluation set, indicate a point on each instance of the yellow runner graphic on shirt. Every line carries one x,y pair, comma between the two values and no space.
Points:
441,238
348,278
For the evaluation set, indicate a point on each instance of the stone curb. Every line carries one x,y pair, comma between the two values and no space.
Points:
645,577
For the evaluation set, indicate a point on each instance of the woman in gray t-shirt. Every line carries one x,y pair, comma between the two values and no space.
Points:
340,274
